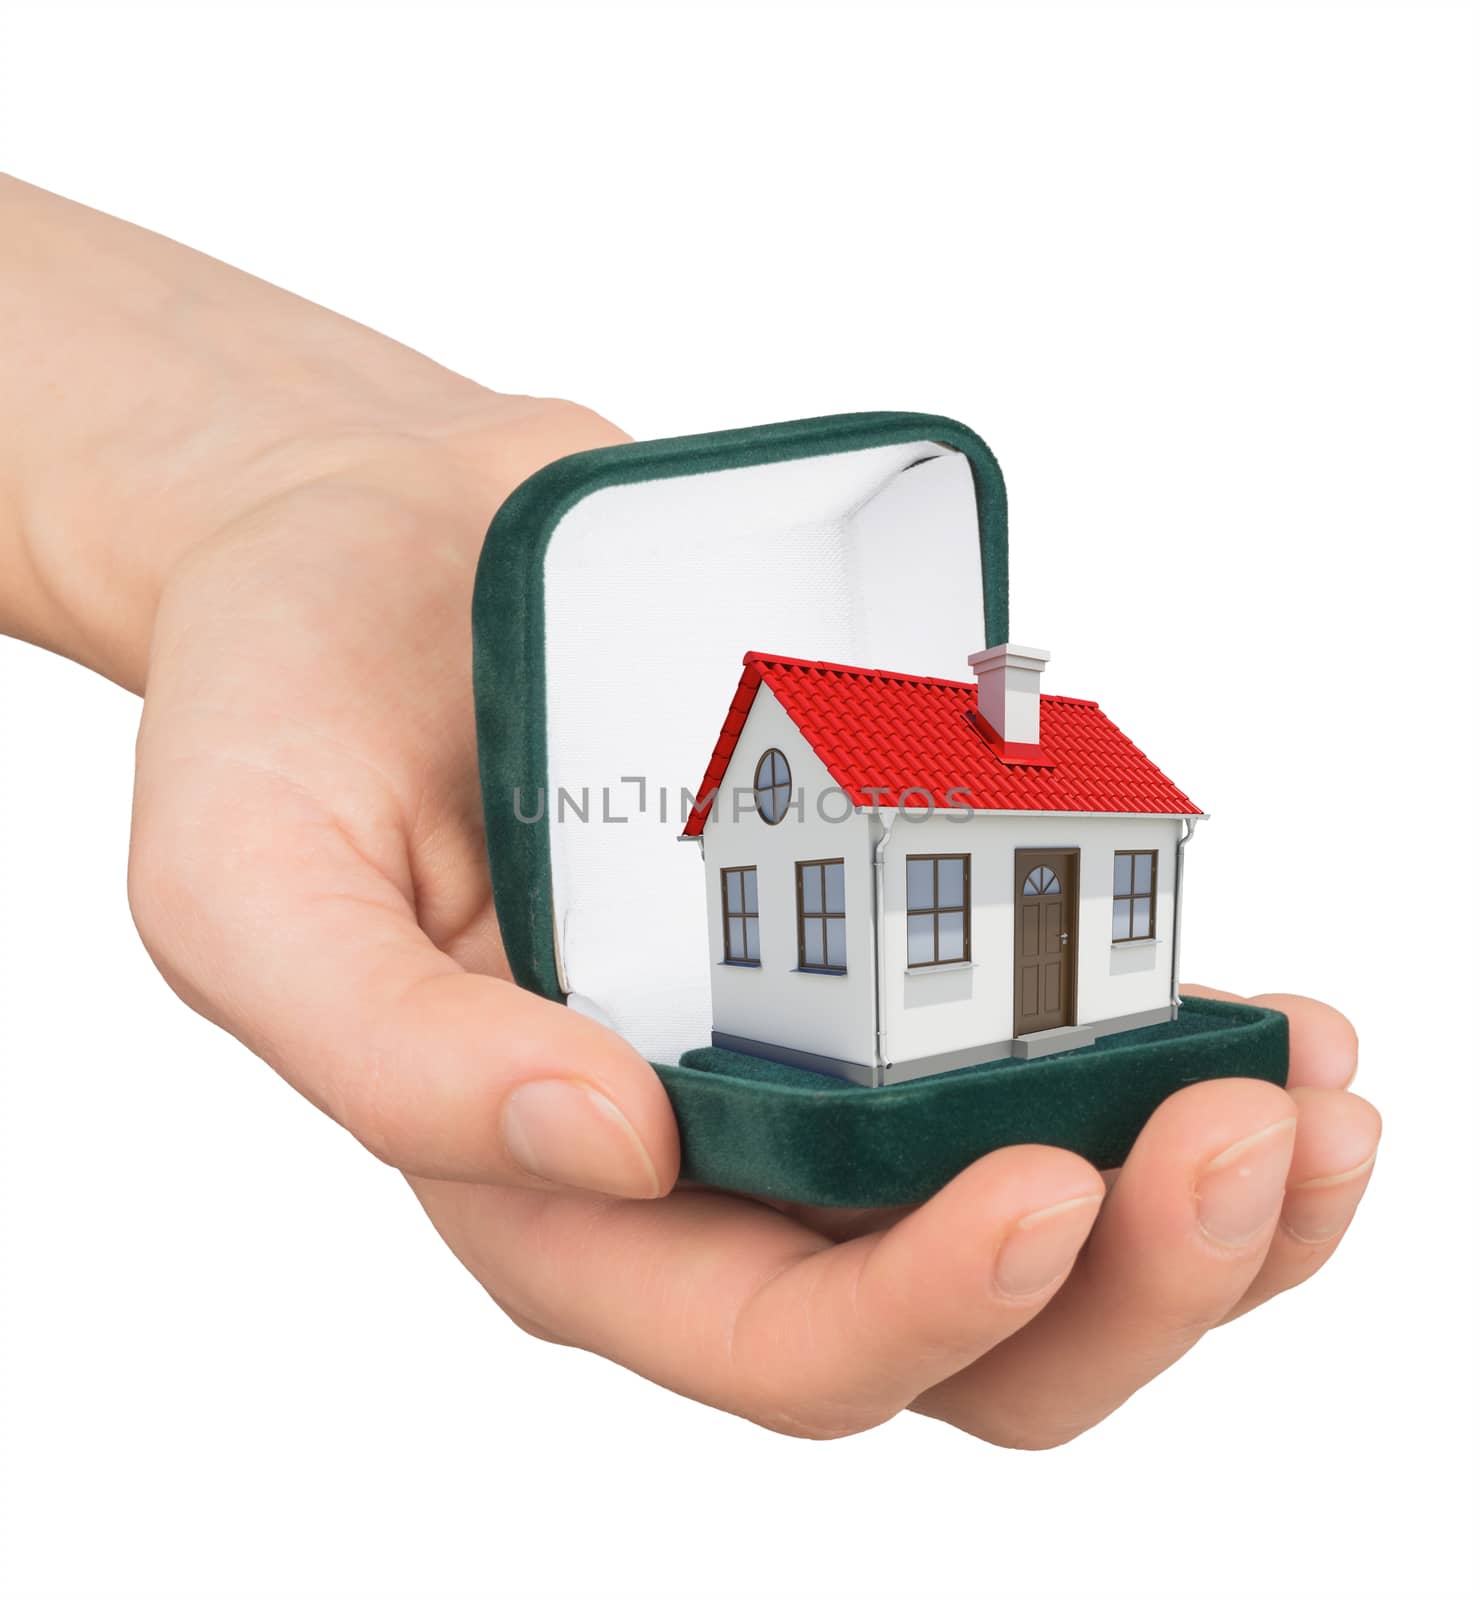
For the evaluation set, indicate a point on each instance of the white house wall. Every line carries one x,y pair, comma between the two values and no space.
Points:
939,1011
824,1014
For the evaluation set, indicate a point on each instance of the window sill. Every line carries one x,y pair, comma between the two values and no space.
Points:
726,962
822,972
936,966
1132,944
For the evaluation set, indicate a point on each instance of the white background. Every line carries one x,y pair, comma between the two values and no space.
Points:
1202,276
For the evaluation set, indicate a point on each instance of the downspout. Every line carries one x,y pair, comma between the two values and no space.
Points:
880,1037
1181,843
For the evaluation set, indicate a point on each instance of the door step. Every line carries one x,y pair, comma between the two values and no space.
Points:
1028,1046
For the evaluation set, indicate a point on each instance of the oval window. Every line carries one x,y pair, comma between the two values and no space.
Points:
773,786
1041,880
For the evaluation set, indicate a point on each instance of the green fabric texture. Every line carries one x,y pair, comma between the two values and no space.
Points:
789,1134
752,1125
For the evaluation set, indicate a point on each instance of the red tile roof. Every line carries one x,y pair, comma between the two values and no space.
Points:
880,734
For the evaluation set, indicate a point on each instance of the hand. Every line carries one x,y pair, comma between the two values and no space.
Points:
1022,1303
308,869
279,548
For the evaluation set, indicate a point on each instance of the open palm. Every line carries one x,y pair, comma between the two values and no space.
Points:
308,869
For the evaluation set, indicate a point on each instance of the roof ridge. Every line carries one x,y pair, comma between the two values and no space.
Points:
766,658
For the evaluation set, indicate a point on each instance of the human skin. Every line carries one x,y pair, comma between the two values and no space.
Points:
265,519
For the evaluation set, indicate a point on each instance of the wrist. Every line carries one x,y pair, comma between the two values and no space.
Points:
154,402
83,570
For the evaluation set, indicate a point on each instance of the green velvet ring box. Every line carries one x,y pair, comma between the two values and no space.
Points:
618,596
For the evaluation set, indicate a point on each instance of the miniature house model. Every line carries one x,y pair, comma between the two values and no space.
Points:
907,875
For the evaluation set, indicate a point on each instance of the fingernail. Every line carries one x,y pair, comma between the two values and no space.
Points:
1320,1208
1041,1248
1240,1192
569,1133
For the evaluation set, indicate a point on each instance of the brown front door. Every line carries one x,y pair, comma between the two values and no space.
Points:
1047,932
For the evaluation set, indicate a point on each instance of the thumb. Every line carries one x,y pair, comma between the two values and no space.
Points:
299,945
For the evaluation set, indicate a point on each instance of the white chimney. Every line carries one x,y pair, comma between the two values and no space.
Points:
1008,679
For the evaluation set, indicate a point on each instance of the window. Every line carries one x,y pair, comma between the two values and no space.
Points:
1134,895
821,926
1042,880
939,897
741,916
772,786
